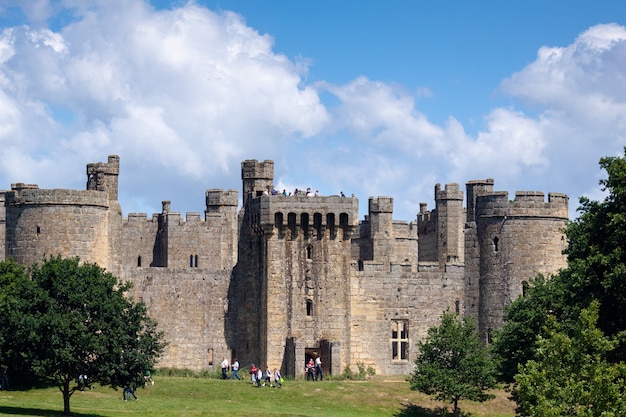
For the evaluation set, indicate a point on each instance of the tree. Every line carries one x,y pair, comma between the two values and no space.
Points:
84,325
19,307
596,270
525,319
453,364
571,376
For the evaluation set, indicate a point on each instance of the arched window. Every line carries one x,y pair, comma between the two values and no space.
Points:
195,261
309,252
190,261
309,307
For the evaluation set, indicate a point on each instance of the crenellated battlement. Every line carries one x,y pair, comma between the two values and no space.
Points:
450,192
217,200
103,176
525,204
282,212
31,195
380,205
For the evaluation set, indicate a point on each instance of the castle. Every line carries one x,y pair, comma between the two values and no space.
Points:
287,278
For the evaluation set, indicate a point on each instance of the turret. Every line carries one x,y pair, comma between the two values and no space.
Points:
381,223
256,177
450,243
103,176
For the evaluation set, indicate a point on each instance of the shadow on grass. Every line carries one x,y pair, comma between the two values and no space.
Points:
21,411
413,410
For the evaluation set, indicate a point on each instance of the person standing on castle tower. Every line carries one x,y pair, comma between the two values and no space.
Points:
224,368
235,369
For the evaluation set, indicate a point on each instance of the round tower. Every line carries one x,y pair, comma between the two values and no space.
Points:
42,223
47,222
517,240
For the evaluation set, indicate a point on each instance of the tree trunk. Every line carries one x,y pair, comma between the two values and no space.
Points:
66,398
455,412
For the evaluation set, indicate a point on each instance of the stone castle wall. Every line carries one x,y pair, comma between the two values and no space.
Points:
191,307
288,278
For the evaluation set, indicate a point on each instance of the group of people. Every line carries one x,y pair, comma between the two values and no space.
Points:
258,377
297,193
313,369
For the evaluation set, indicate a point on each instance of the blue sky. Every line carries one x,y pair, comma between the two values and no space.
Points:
367,97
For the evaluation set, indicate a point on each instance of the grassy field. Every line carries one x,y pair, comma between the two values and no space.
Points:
191,397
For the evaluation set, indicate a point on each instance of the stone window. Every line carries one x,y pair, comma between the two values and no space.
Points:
524,287
309,252
457,307
400,340
193,261
495,243
139,260
38,230
309,307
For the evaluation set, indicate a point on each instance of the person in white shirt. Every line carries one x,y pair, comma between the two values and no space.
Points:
224,368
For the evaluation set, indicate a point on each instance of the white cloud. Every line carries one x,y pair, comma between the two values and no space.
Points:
186,90
184,95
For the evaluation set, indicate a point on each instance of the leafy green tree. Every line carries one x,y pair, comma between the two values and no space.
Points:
571,376
596,257
86,326
525,319
453,364
19,306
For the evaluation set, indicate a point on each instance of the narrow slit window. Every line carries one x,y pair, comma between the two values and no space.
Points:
309,307
139,261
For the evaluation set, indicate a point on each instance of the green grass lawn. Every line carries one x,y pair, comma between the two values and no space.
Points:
191,397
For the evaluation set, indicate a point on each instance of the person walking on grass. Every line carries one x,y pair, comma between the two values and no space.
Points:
235,369
277,379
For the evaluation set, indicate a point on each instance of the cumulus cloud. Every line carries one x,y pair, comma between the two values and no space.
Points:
184,95
187,89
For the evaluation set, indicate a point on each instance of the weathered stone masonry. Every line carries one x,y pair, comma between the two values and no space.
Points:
287,278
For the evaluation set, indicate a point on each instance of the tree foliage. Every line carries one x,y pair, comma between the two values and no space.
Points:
596,270
570,375
82,324
453,364
19,319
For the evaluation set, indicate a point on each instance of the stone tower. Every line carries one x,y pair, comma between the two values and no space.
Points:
511,242
42,223
297,270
